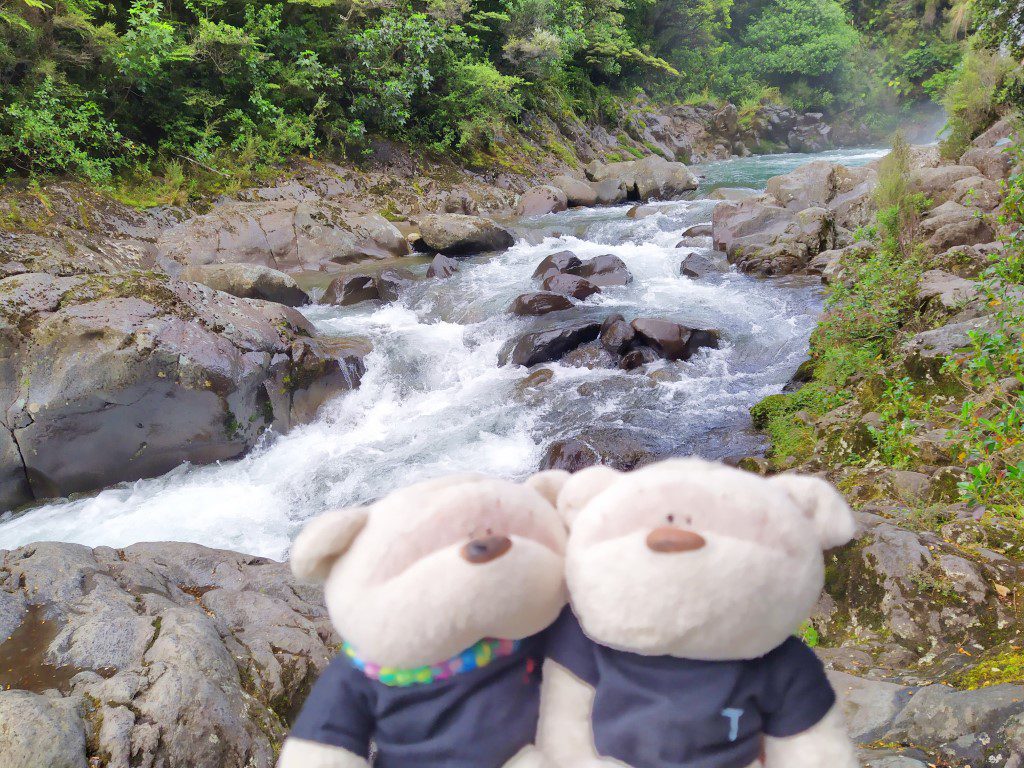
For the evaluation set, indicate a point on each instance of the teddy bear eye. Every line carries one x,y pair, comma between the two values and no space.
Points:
671,518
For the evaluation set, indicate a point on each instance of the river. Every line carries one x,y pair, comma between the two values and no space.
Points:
434,399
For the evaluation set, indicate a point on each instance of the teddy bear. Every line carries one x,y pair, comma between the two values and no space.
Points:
440,592
687,581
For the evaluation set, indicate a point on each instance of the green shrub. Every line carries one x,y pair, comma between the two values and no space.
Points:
971,98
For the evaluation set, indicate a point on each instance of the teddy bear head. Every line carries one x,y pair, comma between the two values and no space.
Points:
697,560
431,569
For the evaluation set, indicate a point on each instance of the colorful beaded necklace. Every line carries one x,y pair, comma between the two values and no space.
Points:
474,657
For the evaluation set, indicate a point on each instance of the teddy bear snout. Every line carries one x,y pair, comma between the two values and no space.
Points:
486,549
667,539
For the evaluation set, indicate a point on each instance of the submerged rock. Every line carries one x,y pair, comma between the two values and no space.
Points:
110,378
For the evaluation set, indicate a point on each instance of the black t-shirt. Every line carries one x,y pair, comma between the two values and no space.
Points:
476,719
665,712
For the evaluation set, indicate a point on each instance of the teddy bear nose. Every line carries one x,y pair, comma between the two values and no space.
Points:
485,549
674,540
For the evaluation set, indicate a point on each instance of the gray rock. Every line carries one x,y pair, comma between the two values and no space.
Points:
287,235
572,455
938,714
119,377
223,649
696,265
936,182
869,706
602,271
38,731
391,283
771,240
562,261
993,162
733,194
926,352
945,292
570,285
248,281
952,224
541,200
577,191
442,267
977,191
347,291
458,235
652,178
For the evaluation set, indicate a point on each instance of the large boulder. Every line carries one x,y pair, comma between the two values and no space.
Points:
577,191
562,261
248,281
547,346
107,378
163,654
936,182
457,235
770,240
347,291
653,178
538,201
670,340
287,235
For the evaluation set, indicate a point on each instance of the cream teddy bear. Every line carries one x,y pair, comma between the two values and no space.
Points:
688,579
440,591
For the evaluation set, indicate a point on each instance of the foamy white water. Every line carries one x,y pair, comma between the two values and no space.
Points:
434,399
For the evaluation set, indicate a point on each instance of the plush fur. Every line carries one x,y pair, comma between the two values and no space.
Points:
399,590
739,596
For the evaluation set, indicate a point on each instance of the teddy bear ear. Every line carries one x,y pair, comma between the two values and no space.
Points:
548,483
823,504
583,486
324,540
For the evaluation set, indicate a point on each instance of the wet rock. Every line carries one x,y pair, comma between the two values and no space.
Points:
577,191
616,334
346,291
696,265
603,271
666,338
591,355
391,283
697,230
570,285
287,235
622,449
572,455
442,267
550,345
642,211
248,281
179,656
563,261
637,358
459,235
539,303
542,200
119,377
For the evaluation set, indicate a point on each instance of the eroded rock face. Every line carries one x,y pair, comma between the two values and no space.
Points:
457,235
248,281
107,378
287,235
155,655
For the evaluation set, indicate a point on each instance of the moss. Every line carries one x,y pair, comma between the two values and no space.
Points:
1004,667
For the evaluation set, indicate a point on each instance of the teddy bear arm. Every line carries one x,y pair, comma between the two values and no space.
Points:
301,753
565,734
826,743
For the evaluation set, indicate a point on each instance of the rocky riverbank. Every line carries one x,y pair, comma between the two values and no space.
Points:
134,341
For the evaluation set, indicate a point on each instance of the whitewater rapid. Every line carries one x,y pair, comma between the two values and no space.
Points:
434,399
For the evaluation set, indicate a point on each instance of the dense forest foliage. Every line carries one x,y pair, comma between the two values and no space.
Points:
98,88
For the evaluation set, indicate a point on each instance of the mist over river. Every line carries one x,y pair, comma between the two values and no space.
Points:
434,399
